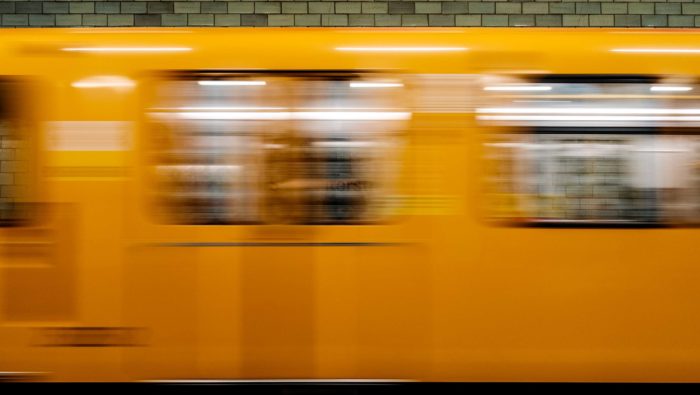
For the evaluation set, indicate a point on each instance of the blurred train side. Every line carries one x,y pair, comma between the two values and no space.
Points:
435,294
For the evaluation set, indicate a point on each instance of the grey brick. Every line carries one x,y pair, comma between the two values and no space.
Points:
587,8
241,7
280,19
601,20
190,7
494,20
628,20
148,20
337,20
468,20
508,8
521,20
667,8
69,20
307,20
455,7
94,20
402,7
620,13
441,20
107,7
200,19
55,7
214,7
9,191
613,8
640,8
132,7
548,20
293,7
82,7
8,7
253,20
348,8
535,8
41,20
575,20
6,179
691,9
28,7
414,20
562,8
120,20
360,20
7,154
174,20
426,7
654,20
161,7
482,7
378,7
267,8
227,20
387,20
680,21
321,7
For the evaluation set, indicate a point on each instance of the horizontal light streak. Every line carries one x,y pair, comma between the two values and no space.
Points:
375,85
657,50
231,83
104,81
289,115
569,118
207,108
518,88
662,88
590,111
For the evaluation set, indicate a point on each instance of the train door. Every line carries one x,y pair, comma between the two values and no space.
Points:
63,161
37,240
263,204
197,198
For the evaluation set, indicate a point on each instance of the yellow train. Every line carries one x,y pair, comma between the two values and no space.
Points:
321,204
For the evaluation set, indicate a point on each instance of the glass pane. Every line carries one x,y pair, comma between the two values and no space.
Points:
595,150
310,149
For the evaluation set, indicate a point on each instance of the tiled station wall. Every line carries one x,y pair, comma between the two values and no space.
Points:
549,13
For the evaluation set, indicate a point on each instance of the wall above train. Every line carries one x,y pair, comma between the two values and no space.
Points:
516,13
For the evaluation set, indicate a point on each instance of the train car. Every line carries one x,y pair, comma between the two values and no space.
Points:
415,204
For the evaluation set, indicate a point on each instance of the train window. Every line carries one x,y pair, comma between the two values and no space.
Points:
206,149
598,151
309,148
341,162
14,176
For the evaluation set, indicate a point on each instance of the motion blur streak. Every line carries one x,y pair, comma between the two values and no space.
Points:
106,81
349,206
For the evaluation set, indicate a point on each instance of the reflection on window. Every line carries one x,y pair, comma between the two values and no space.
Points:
304,149
592,149
594,178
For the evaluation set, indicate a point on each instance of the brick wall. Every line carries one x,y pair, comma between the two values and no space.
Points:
570,13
